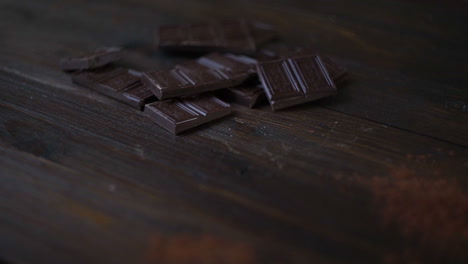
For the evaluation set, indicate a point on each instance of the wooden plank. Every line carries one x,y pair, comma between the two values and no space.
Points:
55,214
423,107
266,163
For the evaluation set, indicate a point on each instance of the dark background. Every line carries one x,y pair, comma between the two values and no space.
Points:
376,174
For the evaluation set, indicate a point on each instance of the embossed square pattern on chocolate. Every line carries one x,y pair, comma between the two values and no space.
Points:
181,114
212,72
121,84
239,36
295,80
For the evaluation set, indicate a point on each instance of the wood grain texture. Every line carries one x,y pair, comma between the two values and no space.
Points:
366,176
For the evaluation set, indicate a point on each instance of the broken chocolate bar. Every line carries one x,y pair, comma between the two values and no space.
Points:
280,50
246,95
208,73
181,114
121,84
97,59
238,36
295,80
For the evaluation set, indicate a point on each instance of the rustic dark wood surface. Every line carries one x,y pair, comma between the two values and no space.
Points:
377,174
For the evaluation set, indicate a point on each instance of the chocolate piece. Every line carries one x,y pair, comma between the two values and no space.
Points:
208,73
97,59
280,50
181,114
121,84
295,80
238,36
246,95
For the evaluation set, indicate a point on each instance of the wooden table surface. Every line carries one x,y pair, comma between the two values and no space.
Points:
376,174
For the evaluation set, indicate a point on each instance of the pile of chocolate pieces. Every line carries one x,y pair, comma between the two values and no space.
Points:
194,92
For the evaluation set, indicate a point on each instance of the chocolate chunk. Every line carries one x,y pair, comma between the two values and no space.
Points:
280,50
208,73
238,36
181,114
97,59
121,84
295,80
247,95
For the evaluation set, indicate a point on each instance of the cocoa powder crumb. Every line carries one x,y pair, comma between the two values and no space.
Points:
430,210
203,249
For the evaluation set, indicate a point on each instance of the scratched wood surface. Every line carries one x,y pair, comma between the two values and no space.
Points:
376,174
